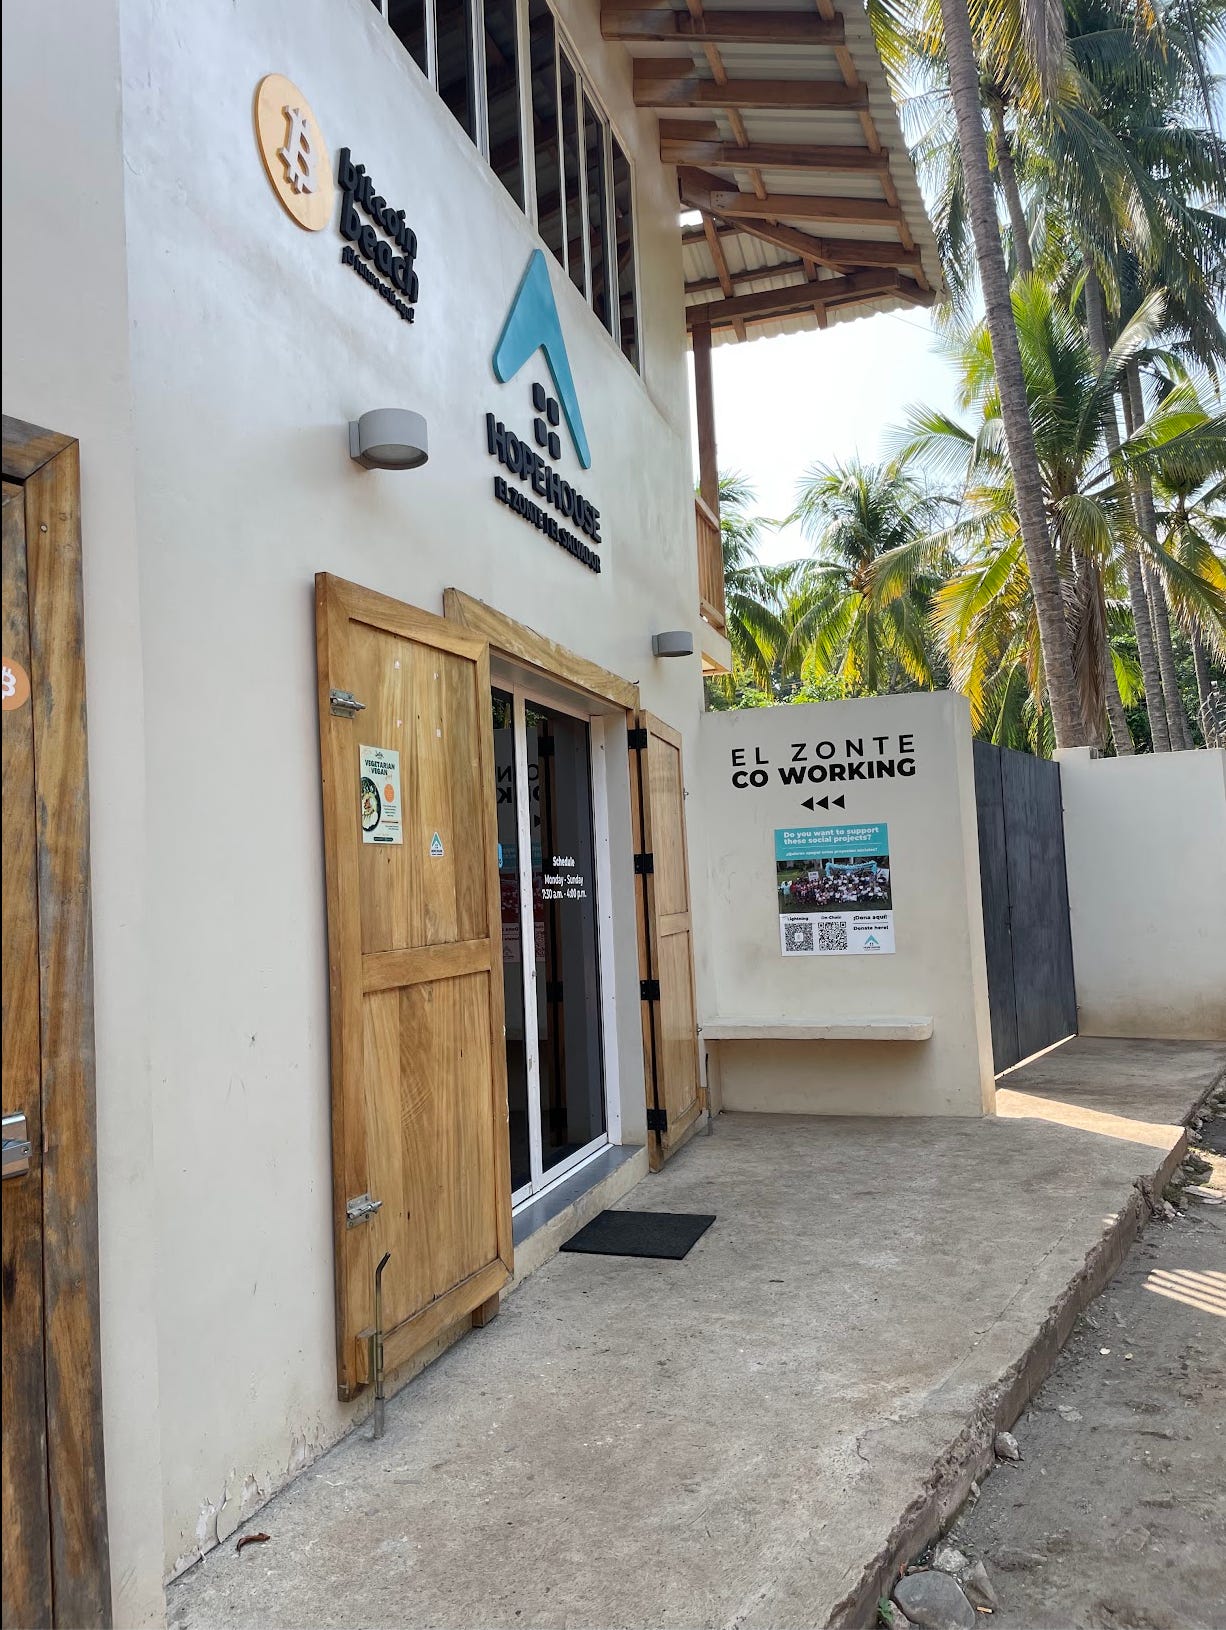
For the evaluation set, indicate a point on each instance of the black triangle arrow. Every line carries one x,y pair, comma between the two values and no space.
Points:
839,801
806,803
824,802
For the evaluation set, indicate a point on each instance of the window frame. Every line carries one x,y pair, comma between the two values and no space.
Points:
585,92
585,88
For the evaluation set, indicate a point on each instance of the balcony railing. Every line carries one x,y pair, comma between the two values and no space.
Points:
710,566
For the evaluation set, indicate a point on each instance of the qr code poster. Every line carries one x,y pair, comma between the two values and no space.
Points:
833,890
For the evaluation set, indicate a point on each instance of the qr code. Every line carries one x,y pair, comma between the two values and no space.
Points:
832,936
798,936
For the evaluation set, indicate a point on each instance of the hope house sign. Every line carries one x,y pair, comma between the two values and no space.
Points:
532,327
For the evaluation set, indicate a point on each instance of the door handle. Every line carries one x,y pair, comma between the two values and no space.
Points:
16,1146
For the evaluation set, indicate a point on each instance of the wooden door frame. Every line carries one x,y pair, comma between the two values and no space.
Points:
47,465
525,645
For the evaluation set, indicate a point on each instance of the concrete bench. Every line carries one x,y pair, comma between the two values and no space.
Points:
885,1028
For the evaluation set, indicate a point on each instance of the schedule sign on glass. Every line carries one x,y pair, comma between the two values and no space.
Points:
833,890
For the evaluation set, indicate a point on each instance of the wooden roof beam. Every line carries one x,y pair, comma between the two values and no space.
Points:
657,25
674,82
682,148
837,252
697,193
751,274
799,298
734,205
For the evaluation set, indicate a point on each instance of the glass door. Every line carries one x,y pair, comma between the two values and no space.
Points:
546,866
507,782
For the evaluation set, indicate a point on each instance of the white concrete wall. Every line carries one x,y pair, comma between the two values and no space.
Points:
209,354
938,968
1145,844
252,348
66,368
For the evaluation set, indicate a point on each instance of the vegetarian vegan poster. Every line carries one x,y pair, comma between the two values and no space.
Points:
379,795
833,890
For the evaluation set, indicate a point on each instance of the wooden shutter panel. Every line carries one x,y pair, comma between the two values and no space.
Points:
419,1097
675,1094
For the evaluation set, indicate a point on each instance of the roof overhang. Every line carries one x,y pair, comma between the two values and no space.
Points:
786,140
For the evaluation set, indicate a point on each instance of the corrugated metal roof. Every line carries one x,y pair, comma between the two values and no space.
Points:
816,248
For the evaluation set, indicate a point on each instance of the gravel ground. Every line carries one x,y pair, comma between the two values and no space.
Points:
1116,1517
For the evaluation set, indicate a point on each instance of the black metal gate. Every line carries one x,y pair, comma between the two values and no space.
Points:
1025,902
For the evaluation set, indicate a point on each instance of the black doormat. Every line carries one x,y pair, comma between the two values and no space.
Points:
669,1234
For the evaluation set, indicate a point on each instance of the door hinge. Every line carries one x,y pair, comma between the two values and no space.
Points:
636,740
357,1210
644,864
649,990
17,1147
657,1120
344,703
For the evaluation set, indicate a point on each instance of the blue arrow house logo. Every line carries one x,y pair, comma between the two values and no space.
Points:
534,489
532,325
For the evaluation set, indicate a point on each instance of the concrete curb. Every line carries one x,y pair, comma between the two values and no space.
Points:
970,1455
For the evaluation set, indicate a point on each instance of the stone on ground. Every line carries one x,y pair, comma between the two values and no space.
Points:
949,1559
977,1587
1007,1447
934,1601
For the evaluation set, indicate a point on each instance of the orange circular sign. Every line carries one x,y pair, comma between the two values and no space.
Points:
294,152
16,690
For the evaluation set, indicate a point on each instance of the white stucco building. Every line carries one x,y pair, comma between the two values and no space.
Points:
506,220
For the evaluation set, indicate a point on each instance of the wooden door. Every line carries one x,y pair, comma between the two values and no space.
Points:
419,1097
55,1556
27,1520
675,1094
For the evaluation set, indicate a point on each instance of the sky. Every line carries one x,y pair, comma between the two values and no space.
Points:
783,404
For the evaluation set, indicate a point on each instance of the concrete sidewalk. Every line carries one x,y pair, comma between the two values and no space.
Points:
755,1435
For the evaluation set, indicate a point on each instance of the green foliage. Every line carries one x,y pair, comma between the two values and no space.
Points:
1100,120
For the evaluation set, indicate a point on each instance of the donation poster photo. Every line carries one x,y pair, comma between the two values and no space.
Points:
833,890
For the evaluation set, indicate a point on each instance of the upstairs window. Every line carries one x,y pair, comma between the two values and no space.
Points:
573,174
407,21
546,140
505,148
623,246
453,49
595,135
521,99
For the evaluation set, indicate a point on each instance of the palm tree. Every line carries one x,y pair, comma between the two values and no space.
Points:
1030,34
858,610
986,612
752,590
1155,700
1191,519
1104,133
1121,169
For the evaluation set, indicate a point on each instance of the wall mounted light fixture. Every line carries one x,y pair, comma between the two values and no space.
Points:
388,439
677,642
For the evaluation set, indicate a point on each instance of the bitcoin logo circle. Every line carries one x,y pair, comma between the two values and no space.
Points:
294,153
